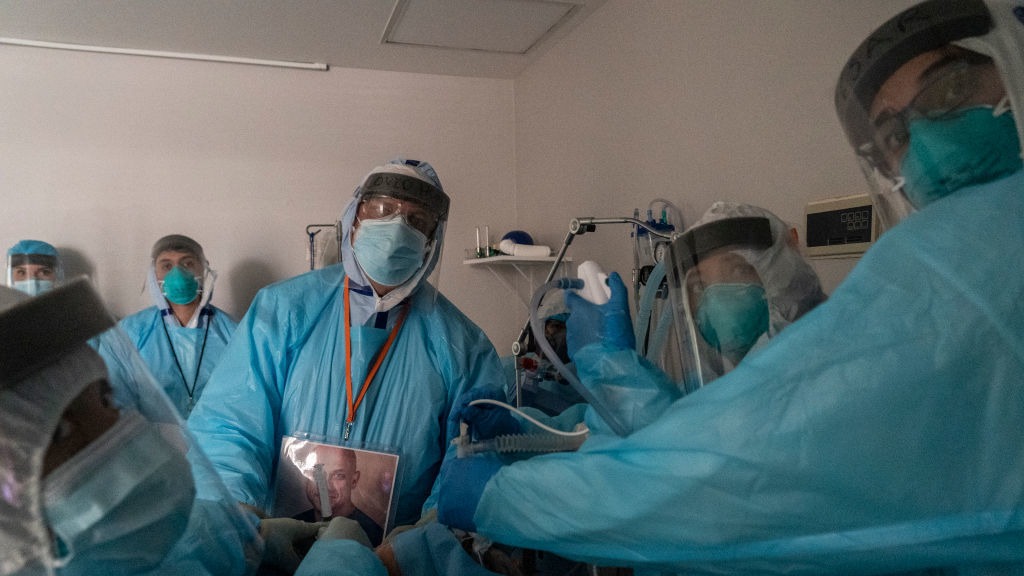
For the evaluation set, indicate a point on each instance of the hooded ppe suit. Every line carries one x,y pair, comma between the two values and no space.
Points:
284,372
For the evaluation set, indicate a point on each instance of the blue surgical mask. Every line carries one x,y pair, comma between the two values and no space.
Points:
33,287
731,317
180,286
388,250
119,505
974,146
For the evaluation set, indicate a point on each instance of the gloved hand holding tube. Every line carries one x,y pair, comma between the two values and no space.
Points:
342,528
485,420
608,323
286,541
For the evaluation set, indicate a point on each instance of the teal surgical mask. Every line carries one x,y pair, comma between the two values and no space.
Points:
731,317
973,146
388,250
33,287
180,286
119,505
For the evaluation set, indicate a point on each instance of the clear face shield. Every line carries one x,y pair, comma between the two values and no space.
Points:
393,232
34,273
104,478
928,102
719,300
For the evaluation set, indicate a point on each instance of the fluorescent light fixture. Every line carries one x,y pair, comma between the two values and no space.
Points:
321,66
498,26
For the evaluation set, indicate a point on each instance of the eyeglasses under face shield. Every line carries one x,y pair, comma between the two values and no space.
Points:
422,204
418,216
959,81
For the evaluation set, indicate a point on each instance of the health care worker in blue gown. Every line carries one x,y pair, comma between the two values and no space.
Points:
182,336
33,266
366,353
878,434
97,474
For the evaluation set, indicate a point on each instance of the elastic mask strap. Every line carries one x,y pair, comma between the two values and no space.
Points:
1002,107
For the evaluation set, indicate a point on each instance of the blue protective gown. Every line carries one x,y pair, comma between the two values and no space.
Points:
284,374
340,558
145,330
433,550
880,433
219,539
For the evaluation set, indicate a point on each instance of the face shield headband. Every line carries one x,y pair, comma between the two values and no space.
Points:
685,252
51,335
408,189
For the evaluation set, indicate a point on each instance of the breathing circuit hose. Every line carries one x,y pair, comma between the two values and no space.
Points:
643,316
537,326
553,441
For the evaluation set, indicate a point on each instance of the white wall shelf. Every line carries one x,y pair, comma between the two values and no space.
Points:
527,267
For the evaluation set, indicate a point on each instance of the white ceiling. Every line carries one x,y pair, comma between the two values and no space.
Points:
482,38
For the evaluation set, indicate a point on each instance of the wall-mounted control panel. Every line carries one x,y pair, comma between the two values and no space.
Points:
840,227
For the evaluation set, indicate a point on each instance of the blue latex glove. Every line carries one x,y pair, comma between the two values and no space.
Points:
460,485
608,323
485,420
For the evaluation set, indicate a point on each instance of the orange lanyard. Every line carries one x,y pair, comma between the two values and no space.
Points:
353,404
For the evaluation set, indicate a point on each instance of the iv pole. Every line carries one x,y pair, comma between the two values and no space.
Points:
311,231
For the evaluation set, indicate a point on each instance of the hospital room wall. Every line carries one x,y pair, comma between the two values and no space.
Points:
692,101
103,154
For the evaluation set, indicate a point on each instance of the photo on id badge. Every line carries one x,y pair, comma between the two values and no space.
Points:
318,481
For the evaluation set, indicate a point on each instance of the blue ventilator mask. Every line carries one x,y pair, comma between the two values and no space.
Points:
180,286
122,502
973,146
388,250
732,317
33,286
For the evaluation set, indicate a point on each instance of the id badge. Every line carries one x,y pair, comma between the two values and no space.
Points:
317,481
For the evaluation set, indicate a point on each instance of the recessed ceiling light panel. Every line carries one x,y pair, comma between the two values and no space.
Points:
505,26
